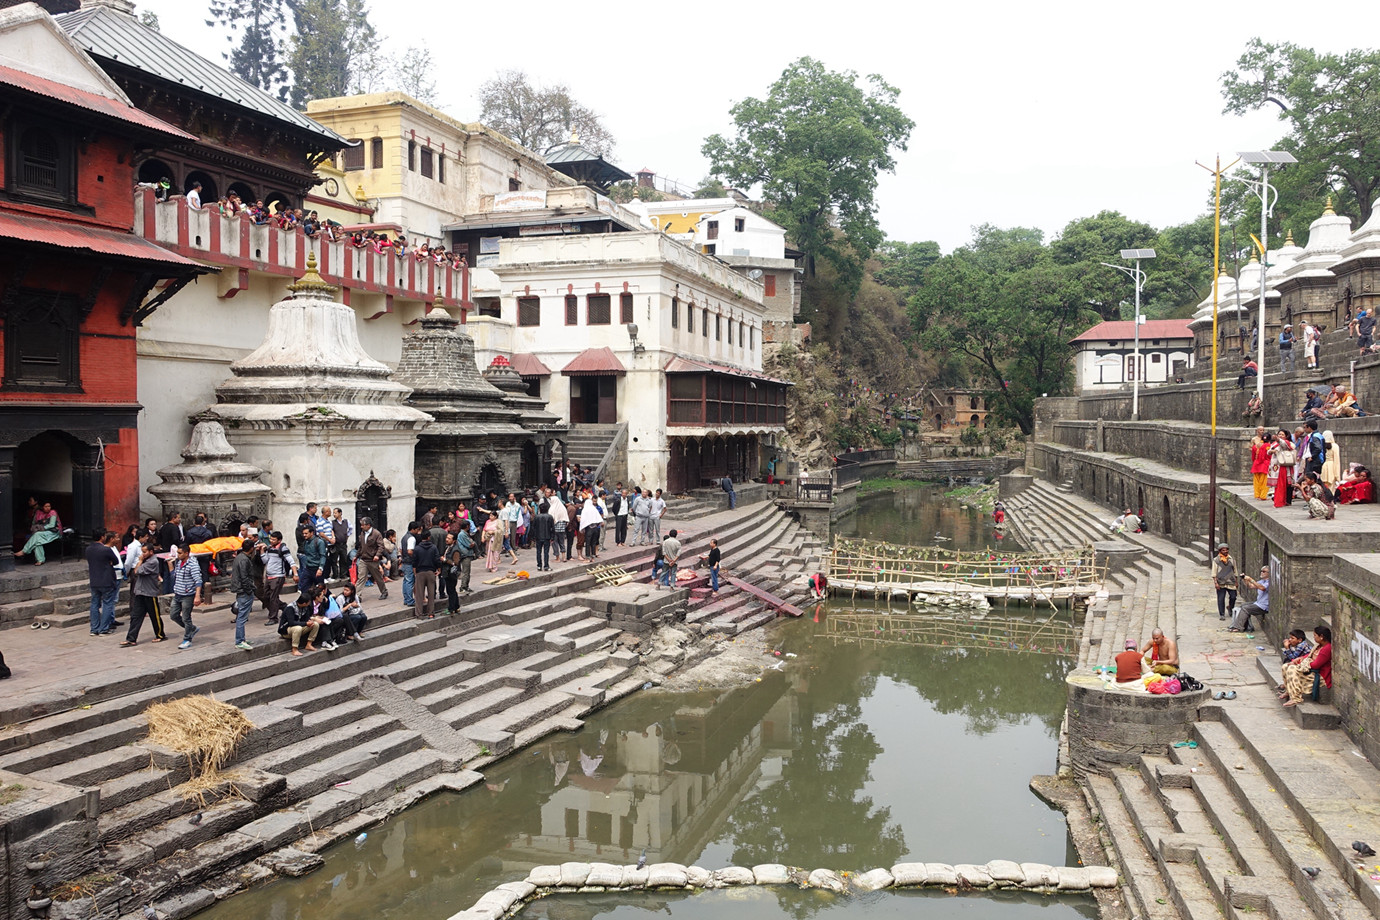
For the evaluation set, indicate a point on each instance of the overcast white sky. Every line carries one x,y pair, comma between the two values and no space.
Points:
1028,114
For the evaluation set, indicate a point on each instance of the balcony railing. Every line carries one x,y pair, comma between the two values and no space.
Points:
237,243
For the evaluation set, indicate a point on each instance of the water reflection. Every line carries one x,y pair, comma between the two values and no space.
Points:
854,753
920,514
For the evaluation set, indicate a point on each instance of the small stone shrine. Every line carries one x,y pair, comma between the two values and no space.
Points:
477,441
210,481
325,419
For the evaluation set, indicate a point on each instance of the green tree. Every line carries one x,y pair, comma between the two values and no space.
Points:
1010,308
816,144
539,117
900,265
1331,103
335,50
710,187
261,28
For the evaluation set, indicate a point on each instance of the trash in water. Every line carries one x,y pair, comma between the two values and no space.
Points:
791,655
647,685
359,841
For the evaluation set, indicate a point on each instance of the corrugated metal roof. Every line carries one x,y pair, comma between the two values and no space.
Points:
583,164
91,102
1116,330
529,365
32,229
681,365
118,37
594,361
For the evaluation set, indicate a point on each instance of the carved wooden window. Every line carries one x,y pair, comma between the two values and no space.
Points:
41,164
572,310
352,158
42,335
376,153
625,308
529,311
428,164
600,307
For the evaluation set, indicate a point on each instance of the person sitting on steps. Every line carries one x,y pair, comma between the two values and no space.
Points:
297,622
1163,652
1241,621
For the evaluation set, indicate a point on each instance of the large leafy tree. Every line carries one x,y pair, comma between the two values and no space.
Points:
1005,304
1331,103
539,117
256,31
816,145
335,50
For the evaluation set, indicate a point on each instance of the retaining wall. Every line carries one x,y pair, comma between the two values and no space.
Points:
577,877
1175,508
1355,581
1111,728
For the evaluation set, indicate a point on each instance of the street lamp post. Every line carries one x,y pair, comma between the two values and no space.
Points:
1262,189
1138,277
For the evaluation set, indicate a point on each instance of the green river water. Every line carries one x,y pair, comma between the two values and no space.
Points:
860,751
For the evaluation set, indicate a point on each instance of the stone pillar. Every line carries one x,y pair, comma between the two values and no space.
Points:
1110,728
6,507
88,492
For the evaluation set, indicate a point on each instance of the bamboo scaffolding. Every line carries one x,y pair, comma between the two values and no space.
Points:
892,570
1047,636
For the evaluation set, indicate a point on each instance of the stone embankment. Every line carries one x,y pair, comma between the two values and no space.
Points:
343,739
1255,807
576,877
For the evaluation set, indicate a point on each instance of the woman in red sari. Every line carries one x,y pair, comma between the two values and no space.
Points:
1260,464
1283,487
1356,487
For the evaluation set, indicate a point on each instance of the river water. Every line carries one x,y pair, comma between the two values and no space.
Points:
876,741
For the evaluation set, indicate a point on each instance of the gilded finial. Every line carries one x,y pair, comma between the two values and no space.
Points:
1327,209
1289,238
311,281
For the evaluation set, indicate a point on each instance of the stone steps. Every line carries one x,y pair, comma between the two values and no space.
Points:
321,751
1260,827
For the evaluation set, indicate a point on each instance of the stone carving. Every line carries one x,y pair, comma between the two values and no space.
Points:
210,480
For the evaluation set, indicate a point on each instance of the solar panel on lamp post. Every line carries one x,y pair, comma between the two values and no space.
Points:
1262,189
1138,277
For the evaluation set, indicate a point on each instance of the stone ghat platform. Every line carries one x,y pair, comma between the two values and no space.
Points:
575,877
342,739
1224,819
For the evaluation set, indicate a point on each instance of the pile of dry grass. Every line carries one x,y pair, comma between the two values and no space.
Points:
205,730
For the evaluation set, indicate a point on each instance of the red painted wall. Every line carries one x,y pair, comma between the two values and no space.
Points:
104,180
105,177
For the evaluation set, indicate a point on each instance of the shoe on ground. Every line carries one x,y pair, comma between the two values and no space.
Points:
244,646
186,644
195,630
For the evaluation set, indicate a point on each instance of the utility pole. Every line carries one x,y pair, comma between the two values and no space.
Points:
1216,171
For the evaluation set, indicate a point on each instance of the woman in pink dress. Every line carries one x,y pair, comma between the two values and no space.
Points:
1283,489
493,541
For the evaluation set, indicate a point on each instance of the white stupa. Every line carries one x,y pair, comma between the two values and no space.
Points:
326,420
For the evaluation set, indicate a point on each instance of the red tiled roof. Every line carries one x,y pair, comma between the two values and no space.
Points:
1119,330
32,229
529,365
594,362
679,365
91,102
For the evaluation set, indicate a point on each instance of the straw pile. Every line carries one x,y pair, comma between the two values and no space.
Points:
205,730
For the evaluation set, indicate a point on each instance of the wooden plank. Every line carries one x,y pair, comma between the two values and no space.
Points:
771,600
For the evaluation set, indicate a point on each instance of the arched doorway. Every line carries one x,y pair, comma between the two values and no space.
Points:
530,471
43,469
209,191
490,479
151,171
371,501
245,192
277,202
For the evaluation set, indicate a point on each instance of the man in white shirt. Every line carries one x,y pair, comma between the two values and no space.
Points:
658,508
194,197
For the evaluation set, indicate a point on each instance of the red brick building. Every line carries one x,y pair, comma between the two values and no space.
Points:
74,281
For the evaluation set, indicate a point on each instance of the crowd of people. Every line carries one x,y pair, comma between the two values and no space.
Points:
328,563
1306,465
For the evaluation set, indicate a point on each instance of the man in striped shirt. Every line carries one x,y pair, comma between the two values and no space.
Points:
186,578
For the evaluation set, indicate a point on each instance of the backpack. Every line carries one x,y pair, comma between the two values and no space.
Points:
1318,447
